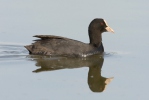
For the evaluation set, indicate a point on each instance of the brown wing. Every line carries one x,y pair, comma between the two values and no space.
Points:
43,37
56,45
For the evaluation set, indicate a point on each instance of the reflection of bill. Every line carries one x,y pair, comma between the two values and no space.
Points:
96,82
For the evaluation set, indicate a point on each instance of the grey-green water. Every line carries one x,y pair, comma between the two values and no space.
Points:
125,58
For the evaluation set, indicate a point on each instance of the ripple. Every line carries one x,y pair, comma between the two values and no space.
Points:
116,53
12,52
109,53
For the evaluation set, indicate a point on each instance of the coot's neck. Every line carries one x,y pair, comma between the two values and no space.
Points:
95,37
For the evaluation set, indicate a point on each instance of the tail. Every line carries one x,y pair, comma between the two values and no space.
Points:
29,48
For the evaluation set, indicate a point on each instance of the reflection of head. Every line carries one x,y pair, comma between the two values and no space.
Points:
99,85
96,82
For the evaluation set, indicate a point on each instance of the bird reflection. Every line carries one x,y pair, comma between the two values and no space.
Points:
96,82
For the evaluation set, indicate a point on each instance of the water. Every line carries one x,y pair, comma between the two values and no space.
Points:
123,67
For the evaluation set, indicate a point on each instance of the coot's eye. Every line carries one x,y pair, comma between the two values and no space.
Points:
101,23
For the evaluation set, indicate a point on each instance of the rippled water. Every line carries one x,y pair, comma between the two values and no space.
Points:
12,53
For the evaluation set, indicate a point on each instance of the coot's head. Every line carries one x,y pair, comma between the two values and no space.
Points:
96,27
100,25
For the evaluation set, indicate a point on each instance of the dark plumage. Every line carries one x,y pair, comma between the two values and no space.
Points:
61,46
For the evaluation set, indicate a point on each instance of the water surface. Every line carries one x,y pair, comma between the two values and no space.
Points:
120,74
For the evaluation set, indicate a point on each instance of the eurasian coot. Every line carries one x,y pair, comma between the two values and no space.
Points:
61,46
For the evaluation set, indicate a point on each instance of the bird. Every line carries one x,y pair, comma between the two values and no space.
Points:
52,45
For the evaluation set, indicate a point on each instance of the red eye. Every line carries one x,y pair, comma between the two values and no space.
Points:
101,23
